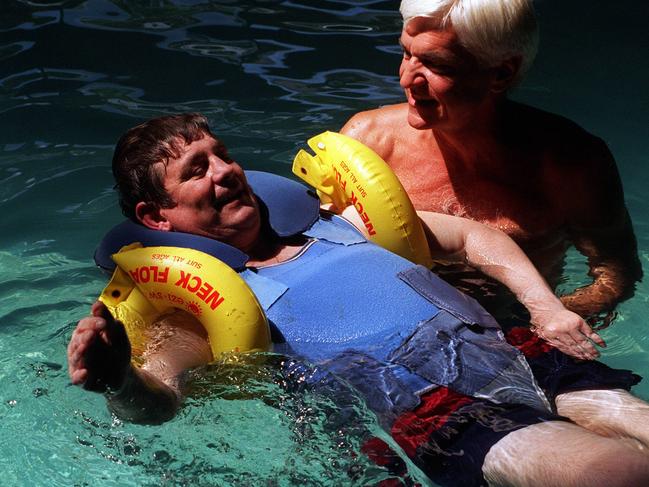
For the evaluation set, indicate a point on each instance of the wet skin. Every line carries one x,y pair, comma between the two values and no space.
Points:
212,196
460,147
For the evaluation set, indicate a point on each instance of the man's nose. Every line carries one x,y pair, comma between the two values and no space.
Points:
411,72
222,171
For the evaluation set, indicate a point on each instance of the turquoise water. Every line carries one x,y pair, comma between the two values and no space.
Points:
269,74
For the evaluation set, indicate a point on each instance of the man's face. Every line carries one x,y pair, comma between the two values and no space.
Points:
445,86
212,195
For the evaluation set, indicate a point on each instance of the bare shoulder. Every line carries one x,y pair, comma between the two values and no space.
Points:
579,171
377,128
560,141
385,116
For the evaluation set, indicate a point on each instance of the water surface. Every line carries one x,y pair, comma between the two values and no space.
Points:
268,74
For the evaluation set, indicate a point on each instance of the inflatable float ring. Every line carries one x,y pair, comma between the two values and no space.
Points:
150,281
347,173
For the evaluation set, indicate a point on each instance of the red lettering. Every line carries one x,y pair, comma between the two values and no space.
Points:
134,275
144,274
340,179
204,291
194,288
162,276
363,214
214,300
184,279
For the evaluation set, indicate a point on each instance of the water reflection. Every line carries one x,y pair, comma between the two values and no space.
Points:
269,74
214,50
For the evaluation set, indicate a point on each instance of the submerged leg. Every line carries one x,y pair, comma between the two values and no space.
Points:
562,454
609,412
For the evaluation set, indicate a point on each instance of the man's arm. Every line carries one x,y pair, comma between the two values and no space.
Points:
492,252
496,255
613,264
600,228
99,359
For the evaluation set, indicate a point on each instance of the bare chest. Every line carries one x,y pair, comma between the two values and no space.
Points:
517,207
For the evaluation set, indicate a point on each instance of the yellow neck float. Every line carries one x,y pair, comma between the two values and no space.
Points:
347,173
151,281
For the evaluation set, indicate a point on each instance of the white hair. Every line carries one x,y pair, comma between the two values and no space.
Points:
491,30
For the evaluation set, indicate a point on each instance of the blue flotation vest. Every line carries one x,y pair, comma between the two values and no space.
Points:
392,329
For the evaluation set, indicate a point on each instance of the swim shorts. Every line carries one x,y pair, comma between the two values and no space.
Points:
449,434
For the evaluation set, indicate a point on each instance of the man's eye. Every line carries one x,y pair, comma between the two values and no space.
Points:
445,70
196,171
441,69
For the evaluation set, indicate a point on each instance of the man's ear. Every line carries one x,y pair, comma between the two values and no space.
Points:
505,74
149,215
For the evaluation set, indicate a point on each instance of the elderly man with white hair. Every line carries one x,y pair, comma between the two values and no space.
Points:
460,146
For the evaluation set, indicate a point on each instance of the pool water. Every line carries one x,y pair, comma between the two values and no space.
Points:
268,74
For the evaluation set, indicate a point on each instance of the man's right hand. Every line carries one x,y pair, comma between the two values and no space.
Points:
99,353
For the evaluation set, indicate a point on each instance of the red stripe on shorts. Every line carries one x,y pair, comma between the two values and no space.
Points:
413,428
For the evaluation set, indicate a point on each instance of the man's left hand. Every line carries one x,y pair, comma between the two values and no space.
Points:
568,332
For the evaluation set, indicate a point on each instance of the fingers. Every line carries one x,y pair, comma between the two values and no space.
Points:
588,332
574,342
586,349
596,338
87,330
584,337
99,352
79,376
578,348
569,333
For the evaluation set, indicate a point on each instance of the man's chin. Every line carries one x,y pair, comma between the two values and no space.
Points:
421,118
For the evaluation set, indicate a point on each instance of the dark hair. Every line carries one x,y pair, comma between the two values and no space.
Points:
142,147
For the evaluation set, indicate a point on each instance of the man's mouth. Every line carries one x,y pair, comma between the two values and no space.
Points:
228,197
422,102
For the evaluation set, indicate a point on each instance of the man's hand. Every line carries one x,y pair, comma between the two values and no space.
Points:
99,353
568,332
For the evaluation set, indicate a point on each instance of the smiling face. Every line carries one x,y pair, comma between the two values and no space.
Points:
211,195
445,86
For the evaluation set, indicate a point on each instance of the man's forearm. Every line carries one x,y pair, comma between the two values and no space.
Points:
143,398
491,252
496,255
612,285
614,266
